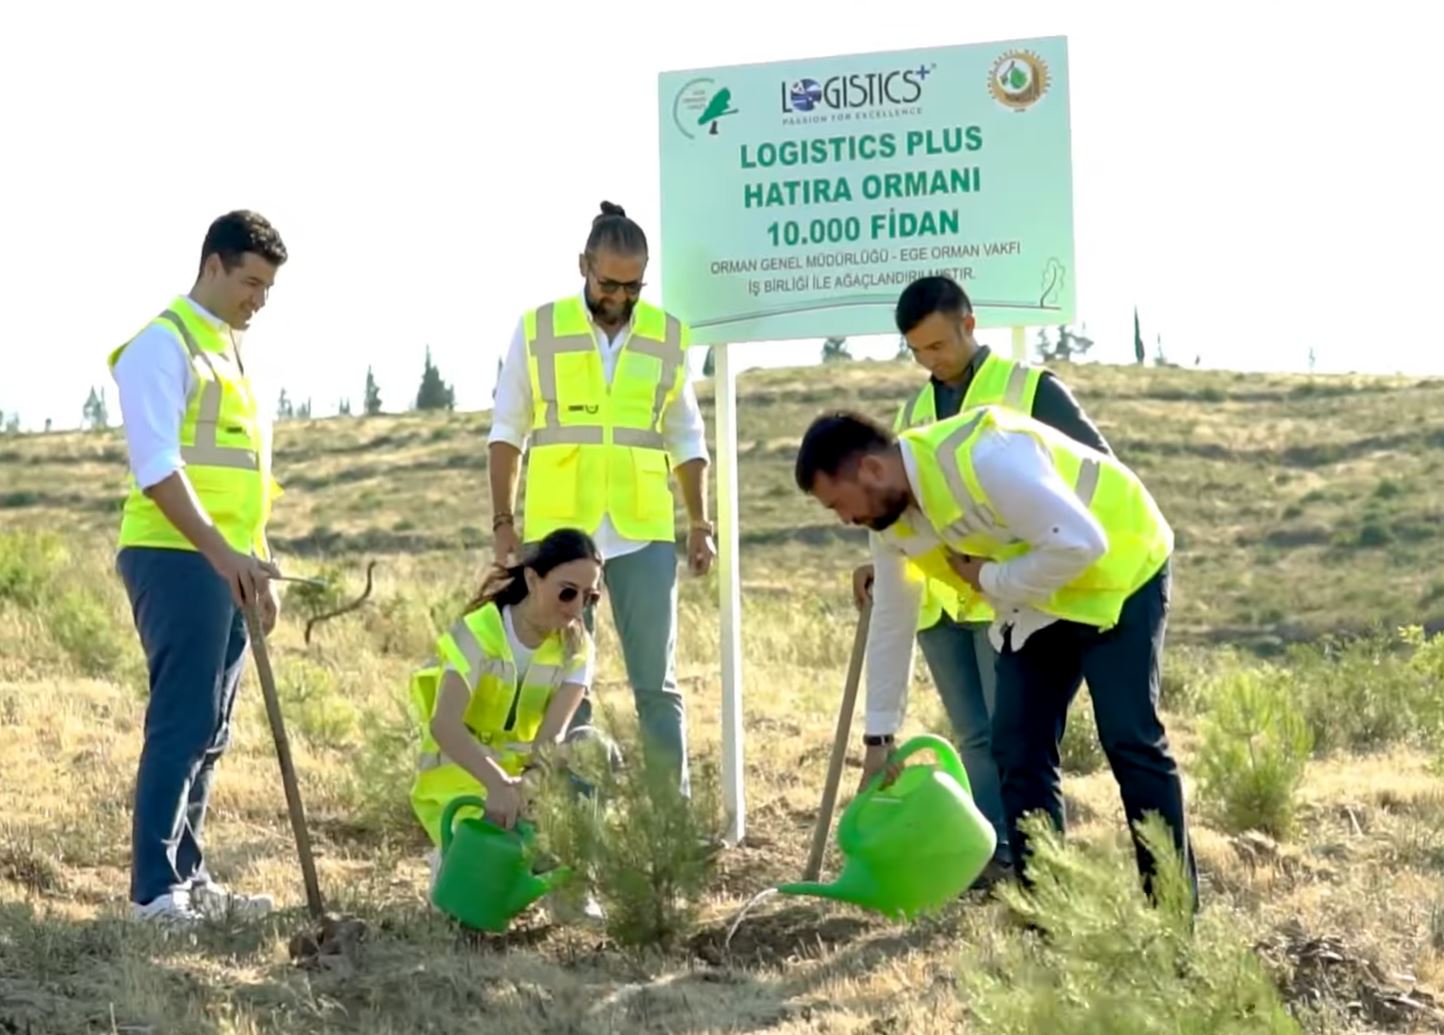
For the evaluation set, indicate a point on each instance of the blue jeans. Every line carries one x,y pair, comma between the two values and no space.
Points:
643,589
195,642
962,663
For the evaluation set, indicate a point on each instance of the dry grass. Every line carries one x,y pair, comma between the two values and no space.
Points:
1271,482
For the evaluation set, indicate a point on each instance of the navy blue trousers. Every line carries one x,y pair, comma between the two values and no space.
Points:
195,643
1122,666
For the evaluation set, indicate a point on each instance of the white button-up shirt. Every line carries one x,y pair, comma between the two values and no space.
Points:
683,430
1033,504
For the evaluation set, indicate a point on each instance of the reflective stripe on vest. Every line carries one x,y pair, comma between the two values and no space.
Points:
205,450
490,670
1139,537
548,345
987,386
978,519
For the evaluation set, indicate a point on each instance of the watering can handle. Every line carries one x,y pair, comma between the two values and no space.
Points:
948,761
947,758
459,802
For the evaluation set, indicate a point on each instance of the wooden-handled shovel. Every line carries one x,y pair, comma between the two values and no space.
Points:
283,754
839,745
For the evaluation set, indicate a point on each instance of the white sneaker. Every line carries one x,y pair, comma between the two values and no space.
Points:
217,901
173,910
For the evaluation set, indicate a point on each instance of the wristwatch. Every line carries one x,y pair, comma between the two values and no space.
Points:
873,740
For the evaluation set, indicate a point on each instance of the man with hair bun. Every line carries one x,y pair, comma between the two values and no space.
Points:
595,390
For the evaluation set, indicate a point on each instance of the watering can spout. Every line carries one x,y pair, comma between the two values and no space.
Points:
543,884
844,889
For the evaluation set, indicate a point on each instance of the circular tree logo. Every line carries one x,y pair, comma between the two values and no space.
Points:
699,106
1018,80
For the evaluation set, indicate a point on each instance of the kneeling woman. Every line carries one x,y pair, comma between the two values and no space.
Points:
507,679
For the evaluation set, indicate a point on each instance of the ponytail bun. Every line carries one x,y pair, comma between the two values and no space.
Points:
609,209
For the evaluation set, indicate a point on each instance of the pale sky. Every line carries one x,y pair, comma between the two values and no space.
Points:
1254,176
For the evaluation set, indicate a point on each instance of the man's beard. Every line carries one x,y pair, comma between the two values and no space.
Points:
894,506
598,311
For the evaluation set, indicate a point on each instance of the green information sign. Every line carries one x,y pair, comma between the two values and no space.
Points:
799,198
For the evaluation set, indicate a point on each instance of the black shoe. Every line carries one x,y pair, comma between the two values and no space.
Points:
999,869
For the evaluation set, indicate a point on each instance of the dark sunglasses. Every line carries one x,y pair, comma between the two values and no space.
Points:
569,593
611,287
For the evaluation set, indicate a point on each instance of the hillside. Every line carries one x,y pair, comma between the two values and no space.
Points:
1305,507
1272,483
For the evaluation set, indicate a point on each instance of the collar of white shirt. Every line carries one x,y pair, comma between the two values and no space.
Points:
208,316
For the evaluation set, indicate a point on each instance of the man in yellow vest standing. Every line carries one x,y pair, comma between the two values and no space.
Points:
1072,553
935,317
193,552
595,388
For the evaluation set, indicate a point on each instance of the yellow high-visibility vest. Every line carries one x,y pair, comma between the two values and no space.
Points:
598,449
223,441
997,381
502,715
1140,539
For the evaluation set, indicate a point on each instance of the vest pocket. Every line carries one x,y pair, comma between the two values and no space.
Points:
653,494
553,473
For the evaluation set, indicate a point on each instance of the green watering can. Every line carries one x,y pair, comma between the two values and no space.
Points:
486,877
911,846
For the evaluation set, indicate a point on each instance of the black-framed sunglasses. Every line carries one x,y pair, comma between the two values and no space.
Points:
608,286
591,598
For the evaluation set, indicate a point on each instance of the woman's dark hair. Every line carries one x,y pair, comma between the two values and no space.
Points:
506,587
613,231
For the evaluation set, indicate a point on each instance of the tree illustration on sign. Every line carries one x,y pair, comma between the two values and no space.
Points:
718,106
1014,77
1054,274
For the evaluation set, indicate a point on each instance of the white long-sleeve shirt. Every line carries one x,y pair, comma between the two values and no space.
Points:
1034,505
154,379
683,430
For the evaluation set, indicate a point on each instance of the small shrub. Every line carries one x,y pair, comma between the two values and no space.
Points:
1080,751
310,700
84,626
1372,533
1254,748
1186,675
24,865
408,623
1108,961
1367,693
636,843
29,562
310,600
378,786
1426,664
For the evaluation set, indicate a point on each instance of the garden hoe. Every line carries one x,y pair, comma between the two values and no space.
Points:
336,935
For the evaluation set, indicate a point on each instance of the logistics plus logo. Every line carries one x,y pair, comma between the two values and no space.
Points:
700,106
855,92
